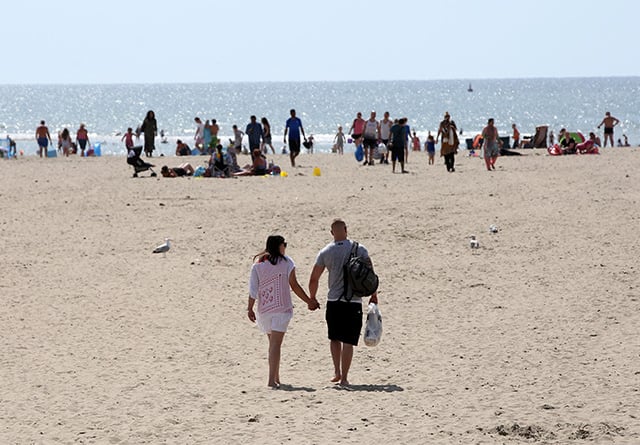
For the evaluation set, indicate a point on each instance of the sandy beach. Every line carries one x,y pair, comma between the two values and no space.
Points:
532,338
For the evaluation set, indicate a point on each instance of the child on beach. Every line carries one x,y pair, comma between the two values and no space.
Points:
128,138
430,148
339,140
415,140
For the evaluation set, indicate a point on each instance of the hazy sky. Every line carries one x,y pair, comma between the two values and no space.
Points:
142,41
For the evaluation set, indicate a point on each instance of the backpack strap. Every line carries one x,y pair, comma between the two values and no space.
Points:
345,288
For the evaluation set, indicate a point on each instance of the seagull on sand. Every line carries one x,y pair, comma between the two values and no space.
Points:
163,248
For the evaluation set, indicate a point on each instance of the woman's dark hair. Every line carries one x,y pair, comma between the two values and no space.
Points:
265,121
272,251
151,114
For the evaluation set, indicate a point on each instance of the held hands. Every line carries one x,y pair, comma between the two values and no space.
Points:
313,304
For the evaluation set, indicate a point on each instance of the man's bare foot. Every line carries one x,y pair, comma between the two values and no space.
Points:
336,378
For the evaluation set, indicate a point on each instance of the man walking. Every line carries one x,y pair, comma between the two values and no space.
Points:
371,136
294,127
344,312
44,138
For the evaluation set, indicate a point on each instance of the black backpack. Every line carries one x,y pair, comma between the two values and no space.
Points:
359,278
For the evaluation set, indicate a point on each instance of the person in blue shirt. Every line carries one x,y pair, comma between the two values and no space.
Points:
293,127
254,132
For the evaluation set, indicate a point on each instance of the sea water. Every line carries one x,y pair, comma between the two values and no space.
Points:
577,104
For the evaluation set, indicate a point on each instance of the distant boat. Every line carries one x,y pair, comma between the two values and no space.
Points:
470,89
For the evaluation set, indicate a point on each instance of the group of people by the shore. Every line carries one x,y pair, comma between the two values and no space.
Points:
381,140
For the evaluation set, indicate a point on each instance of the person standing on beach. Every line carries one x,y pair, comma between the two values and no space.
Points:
339,140
82,138
343,315
149,128
272,275
254,132
199,136
491,145
371,135
609,122
44,138
266,136
293,127
448,134
237,139
398,143
213,128
128,138
430,148
385,134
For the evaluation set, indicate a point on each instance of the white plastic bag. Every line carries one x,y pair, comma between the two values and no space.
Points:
373,329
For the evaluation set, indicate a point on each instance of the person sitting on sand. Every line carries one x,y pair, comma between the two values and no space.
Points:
273,274
257,168
182,149
568,144
182,170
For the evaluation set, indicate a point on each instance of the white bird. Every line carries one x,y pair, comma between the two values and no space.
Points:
473,242
163,248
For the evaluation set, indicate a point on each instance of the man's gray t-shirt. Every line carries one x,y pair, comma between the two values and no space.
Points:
333,257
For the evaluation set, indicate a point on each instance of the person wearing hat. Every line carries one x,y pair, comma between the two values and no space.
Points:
450,141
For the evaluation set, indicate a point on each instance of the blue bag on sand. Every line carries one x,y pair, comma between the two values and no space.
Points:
359,153
199,171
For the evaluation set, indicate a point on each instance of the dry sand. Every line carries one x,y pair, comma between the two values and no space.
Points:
533,338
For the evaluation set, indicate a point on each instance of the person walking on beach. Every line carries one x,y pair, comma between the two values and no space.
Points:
149,128
44,138
343,315
609,122
339,140
385,134
356,130
371,135
516,136
266,136
254,132
293,127
65,142
491,145
128,138
430,148
82,138
398,143
448,134
272,275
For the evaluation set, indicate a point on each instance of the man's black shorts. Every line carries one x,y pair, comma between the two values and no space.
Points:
397,153
294,145
370,143
344,321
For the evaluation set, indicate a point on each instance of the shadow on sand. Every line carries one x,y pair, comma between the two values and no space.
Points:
285,387
371,388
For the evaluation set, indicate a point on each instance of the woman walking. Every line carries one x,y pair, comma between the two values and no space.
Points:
272,274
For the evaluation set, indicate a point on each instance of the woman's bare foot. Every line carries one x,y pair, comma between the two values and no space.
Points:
336,378
273,385
344,383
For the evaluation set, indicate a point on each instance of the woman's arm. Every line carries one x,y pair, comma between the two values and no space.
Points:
312,303
250,313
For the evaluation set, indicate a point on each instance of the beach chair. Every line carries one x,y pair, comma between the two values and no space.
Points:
139,166
540,138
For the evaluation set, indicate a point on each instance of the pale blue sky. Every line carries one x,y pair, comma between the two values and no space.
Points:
116,41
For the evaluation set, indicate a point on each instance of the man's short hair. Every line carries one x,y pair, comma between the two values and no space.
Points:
338,222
